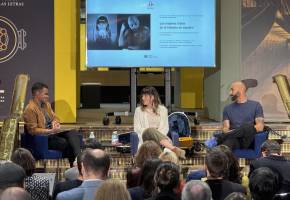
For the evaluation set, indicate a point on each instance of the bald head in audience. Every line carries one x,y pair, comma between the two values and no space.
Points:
95,164
15,193
196,190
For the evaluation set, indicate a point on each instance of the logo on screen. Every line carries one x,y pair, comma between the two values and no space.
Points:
150,4
11,39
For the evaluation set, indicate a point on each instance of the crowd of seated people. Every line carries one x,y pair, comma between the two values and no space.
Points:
156,172
159,177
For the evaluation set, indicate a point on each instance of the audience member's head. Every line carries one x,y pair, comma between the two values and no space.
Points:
169,156
133,176
166,177
147,151
236,196
196,190
95,164
11,175
270,147
15,193
233,174
147,175
263,184
25,159
75,172
216,163
111,190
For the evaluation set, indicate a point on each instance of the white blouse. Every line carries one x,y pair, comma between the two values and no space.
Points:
147,119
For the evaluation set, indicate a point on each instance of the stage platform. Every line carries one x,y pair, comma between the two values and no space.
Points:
122,161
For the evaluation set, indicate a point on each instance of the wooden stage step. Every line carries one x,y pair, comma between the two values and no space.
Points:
120,161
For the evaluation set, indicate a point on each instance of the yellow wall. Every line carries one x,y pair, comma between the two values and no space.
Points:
65,40
191,87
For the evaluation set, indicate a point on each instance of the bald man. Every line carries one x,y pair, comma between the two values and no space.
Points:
242,113
95,164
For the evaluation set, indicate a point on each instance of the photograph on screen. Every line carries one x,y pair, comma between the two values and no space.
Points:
102,32
134,31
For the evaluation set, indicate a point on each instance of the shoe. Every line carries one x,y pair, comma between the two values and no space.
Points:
211,143
179,152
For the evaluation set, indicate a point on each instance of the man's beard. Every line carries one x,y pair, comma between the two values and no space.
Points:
235,97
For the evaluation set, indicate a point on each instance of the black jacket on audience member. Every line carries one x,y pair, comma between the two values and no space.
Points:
221,188
165,195
277,164
64,186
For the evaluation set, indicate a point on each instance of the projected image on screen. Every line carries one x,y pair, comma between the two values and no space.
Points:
134,32
153,33
102,32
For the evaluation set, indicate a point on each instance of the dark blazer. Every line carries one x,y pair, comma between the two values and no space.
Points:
64,186
137,193
222,188
165,195
278,164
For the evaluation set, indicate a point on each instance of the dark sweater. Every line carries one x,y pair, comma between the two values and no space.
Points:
222,188
64,186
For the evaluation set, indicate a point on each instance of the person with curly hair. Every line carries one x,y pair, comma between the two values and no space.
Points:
166,180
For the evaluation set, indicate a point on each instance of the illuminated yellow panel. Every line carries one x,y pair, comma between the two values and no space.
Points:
191,87
65,59
188,100
151,69
103,69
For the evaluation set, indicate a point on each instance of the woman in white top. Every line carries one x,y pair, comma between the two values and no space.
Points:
151,121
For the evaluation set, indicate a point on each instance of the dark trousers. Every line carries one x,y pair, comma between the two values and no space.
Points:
68,142
241,137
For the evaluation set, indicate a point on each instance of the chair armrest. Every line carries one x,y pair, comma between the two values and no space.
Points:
260,138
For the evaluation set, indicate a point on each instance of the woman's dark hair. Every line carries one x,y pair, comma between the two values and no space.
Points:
133,176
25,159
147,175
167,175
233,174
152,92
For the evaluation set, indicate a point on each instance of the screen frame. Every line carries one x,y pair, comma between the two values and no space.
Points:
215,43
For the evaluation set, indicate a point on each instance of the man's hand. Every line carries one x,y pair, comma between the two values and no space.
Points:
55,128
55,125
